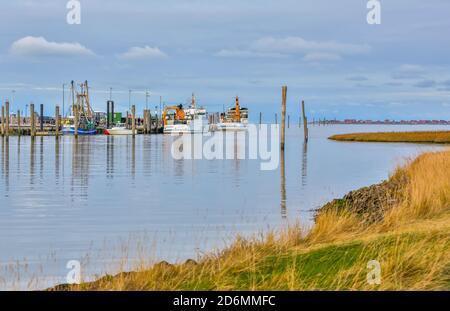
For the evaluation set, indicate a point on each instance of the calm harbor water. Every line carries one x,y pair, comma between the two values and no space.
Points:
105,199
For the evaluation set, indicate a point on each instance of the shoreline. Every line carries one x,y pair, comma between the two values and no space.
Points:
382,222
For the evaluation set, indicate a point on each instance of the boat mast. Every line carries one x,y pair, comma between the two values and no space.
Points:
73,97
88,104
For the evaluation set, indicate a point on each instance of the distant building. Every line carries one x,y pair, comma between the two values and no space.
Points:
99,116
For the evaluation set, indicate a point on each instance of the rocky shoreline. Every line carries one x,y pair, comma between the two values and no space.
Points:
370,203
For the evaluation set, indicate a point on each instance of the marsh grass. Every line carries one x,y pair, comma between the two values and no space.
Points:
436,137
411,243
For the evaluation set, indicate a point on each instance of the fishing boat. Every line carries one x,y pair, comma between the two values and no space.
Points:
179,120
70,130
118,129
236,119
81,107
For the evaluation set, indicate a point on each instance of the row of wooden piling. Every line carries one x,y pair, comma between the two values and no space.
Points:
283,118
300,121
5,126
149,124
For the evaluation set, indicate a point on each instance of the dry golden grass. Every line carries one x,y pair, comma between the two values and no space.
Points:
428,189
437,137
411,242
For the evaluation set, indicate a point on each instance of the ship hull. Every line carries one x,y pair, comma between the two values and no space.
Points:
118,131
71,131
230,126
183,129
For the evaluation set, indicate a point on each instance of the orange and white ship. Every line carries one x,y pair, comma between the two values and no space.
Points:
179,120
235,119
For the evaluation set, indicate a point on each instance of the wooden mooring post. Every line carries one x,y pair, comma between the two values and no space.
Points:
18,123
305,122
283,116
276,118
32,121
149,121
75,120
41,118
144,124
289,120
260,119
57,121
144,120
7,118
133,120
108,115
113,117
3,121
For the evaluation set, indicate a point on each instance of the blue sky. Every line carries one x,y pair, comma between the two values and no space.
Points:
324,51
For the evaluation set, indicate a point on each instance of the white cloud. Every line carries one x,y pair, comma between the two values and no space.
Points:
357,78
411,68
425,83
408,71
299,45
312,51
321,56
39,46
146,52
246,54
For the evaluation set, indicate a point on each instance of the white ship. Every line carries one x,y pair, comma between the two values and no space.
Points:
118,129
236,119
179,120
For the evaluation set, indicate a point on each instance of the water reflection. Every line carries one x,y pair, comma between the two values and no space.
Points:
304,163
57,160
5,160
146,155
18,155
283,184
133,157
41,157
32,160
179,163
179,168
81,153
110,157
239,147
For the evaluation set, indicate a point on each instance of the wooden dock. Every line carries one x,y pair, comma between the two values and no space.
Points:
39,125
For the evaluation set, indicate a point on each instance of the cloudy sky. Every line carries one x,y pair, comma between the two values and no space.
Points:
323,50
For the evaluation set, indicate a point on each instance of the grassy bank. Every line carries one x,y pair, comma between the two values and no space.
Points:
403,223
437,137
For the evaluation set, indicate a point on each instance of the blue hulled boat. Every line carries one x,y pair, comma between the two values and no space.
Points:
70,130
